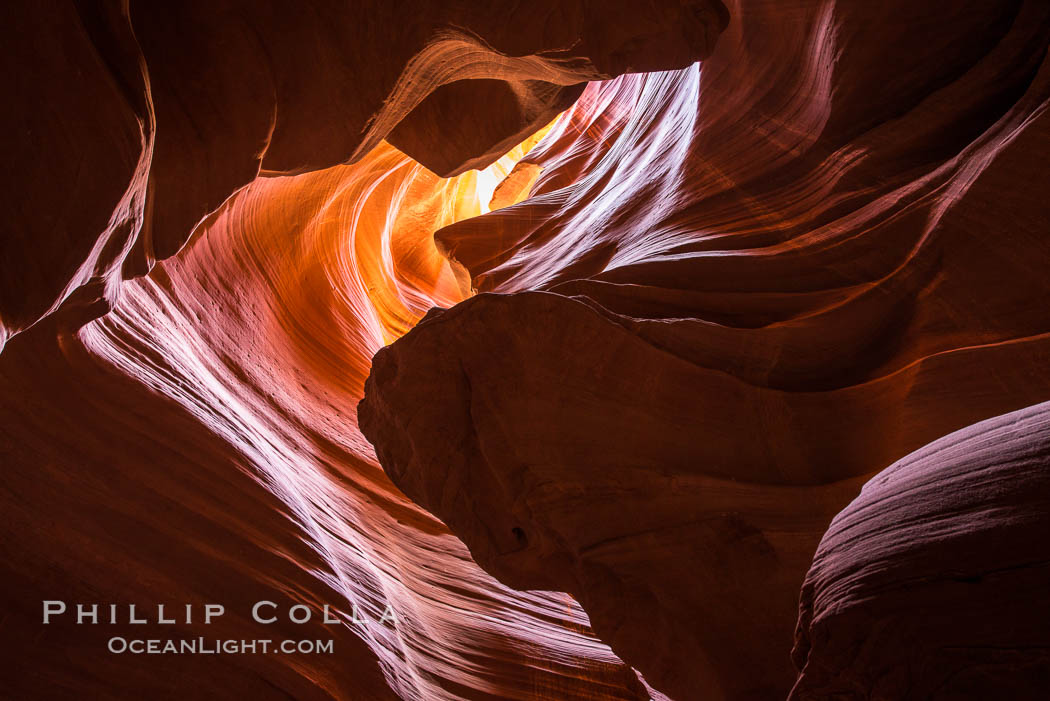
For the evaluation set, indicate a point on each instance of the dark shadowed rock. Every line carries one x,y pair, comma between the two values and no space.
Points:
932,583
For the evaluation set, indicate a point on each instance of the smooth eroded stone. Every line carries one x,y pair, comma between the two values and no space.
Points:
932,583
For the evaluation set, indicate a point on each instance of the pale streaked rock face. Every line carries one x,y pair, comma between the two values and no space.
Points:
927,586
728,302
622,376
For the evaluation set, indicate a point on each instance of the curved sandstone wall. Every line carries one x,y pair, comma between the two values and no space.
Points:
623,376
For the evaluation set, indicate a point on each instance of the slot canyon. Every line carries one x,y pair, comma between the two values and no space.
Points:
684,350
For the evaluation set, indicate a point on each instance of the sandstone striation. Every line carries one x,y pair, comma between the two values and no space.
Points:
198,444
620,367
931,584
153,114
728,302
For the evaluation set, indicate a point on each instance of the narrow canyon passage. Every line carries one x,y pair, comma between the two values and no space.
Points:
563,350
262,333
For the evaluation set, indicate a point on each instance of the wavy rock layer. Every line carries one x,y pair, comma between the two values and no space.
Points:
152,114
199,444
200,441
931,584
738,291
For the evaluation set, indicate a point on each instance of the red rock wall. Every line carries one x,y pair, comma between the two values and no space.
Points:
199,444
931,583
737,291
141,118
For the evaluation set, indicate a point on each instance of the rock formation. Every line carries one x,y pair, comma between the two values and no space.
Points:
199,444
153,114
726,303
624,376
932,583
234,370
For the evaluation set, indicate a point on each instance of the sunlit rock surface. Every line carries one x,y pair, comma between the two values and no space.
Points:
199,444
737,292
932,583
152,114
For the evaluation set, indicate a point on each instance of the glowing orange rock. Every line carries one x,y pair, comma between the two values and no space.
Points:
235,368
737,292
